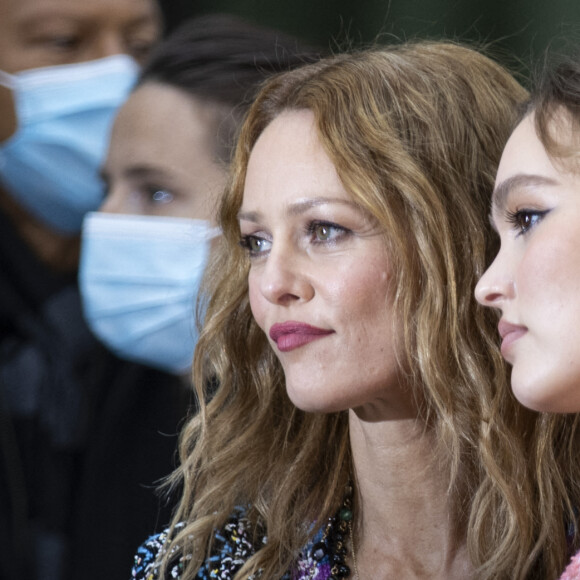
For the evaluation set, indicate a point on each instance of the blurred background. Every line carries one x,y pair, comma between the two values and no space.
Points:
518,30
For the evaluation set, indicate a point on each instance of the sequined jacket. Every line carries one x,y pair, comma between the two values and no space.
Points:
232,547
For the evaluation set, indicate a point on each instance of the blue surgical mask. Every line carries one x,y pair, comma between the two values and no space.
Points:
64,113
139,279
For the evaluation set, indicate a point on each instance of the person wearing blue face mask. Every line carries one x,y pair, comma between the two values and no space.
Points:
66,66
144,253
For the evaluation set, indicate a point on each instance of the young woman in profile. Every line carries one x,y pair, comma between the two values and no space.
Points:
535,278
363,426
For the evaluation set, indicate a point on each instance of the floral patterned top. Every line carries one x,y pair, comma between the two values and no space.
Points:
232,547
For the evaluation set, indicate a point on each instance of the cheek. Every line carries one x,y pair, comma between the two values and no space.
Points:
257,302
548,282
549,273
187,206
362,295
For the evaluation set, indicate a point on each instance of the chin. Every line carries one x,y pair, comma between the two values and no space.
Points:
547,396
309,403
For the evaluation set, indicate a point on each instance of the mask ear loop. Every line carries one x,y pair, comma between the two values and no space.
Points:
7,80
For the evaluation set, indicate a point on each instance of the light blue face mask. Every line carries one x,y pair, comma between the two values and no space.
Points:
139,279
65,113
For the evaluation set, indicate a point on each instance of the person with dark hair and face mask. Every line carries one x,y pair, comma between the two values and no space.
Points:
144,253
65,68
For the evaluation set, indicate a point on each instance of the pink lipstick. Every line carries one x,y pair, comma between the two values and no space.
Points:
509,333
290,335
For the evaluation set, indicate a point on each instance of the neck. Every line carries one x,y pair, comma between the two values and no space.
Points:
405,524
58,251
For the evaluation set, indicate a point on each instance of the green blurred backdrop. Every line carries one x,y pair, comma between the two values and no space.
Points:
518,30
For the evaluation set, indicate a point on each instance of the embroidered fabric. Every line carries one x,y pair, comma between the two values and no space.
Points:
572,571
232,548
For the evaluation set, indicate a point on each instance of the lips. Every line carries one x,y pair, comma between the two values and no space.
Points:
509,333
291,335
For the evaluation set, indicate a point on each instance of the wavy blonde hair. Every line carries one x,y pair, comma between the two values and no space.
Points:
415,132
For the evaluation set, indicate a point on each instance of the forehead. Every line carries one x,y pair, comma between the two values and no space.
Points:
159,119
295,127
523,152
527,168
289,161
18,12
524,162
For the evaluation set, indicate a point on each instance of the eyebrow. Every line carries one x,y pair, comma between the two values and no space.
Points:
41,14
140,172
298,207
146,171
520,181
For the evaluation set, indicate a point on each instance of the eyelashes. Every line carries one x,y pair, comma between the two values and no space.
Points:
254,245
316,233
525,219
324,231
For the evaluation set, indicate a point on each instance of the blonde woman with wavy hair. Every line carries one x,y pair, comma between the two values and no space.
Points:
363,425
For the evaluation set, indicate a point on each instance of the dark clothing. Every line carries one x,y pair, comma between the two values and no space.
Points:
84,436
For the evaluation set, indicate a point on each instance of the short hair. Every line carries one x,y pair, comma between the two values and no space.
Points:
222,60
415,132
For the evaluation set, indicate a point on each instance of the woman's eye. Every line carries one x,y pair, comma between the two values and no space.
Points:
525,219
322,232
325,231
254,245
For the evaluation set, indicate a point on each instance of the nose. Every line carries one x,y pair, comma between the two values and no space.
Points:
284,278
496,285
115,201
108,42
